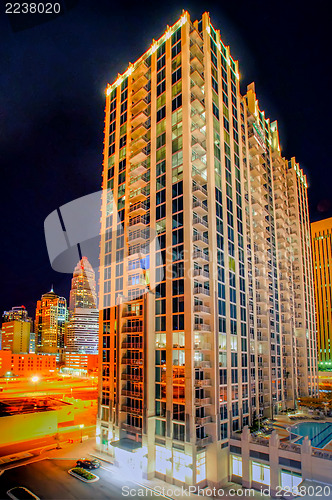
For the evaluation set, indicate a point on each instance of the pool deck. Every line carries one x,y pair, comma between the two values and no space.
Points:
282,422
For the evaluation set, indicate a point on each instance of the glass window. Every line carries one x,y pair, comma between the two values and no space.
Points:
236,466
261,473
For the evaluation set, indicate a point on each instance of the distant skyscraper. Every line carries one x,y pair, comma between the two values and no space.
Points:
16,330
83,287
214,325
322,256
82,328
51,316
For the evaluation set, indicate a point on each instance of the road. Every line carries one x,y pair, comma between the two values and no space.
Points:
50,480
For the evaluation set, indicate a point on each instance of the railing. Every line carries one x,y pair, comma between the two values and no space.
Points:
199,220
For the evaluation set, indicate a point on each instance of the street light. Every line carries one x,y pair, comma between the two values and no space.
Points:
35,379
81,427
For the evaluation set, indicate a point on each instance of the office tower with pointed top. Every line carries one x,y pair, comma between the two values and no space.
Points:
207,314
83,287
82,327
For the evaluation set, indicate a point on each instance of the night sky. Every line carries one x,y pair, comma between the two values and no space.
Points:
52,83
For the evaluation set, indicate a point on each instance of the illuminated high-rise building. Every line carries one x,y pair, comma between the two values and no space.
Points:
83,287
16,330
82,327
51,317
194,322
322,256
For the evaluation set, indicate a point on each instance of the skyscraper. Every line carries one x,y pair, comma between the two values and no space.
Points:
83,287
322,256
51,316
82,328
16,329
199,314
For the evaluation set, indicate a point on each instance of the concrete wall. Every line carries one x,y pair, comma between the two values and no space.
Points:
18,428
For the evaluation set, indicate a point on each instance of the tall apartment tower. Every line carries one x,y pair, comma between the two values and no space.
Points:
191,338
51,316
322,257
83,287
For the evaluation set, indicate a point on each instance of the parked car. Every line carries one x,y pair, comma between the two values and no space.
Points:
88,464
21,493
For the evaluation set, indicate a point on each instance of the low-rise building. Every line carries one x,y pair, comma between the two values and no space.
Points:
26,364
83,363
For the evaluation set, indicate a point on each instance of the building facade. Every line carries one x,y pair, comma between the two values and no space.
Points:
82,331
322,258
195,326
23,365
51,317
16,330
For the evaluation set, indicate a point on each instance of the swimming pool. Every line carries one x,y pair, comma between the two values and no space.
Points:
320,433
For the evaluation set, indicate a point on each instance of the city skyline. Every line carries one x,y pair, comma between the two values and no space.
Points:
284,66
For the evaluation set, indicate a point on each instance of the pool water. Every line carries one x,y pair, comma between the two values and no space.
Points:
320,433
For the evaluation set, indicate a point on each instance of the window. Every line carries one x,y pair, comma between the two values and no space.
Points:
236,466
289,479
260,473
201,467
161,113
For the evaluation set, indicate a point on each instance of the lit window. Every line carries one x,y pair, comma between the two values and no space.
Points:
162,459
237,466
289,479
201,467
260,473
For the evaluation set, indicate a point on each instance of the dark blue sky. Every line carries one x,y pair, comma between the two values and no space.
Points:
52,107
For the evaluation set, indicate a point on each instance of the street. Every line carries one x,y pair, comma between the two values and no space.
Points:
50,480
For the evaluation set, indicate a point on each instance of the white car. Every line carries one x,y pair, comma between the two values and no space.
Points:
21,493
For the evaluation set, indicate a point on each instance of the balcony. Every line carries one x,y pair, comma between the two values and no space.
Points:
200,207
130,409
140,105
199,162
139,143
203,420
200,240
196,61
133,329
202,310
140,129
139,195
131,428
198,118
131,361
200,192
139,208
203,441
196,103
139,169
132,345
200,256
202,327
202,364
202,401
206,382
140,155
130,376
200,223
139,182
201,275
140,70
198,147
132,394
138,82
202,346
139,236
201,292
140,93
140,118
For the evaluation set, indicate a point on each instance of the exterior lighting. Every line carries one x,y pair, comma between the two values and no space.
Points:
35,379
154,47
168,34
183,19
208,29
108,90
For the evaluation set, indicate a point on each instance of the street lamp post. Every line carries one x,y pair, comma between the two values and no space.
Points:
81,427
